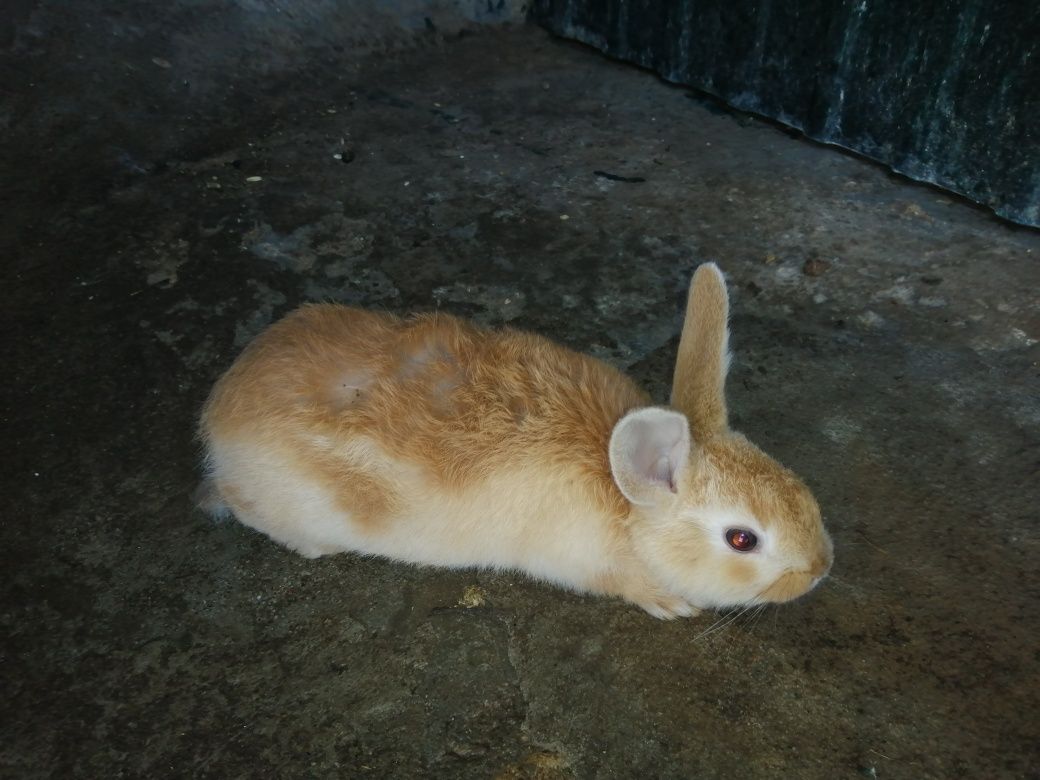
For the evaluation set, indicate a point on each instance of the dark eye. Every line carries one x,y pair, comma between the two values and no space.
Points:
741,540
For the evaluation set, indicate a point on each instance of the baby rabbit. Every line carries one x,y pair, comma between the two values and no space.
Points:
432,440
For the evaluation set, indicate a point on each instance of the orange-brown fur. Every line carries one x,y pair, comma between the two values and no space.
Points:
513,391
769,490
370,500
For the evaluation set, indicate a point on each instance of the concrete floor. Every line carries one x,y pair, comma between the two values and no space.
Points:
897,372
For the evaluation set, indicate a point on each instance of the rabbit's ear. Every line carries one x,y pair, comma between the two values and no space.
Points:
648,449
698,387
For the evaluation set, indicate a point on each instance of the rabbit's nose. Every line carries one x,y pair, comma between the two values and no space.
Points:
820,566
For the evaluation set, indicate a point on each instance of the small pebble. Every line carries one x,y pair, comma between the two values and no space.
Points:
472,596
814,266
254,178
913,210
870,319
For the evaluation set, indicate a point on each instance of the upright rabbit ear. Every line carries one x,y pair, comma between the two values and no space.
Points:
698,388
648,449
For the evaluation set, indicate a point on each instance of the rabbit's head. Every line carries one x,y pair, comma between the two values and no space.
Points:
718,521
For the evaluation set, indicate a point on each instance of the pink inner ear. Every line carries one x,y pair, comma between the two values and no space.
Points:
663,472
662,459
647,450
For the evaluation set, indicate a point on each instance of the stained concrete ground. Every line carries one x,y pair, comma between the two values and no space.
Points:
885,341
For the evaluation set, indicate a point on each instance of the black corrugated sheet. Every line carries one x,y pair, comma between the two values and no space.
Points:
943,92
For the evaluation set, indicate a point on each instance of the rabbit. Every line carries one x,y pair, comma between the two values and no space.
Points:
432,440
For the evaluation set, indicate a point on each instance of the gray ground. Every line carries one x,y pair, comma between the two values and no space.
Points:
886,348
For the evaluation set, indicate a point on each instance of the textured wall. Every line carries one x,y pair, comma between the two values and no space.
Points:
944,91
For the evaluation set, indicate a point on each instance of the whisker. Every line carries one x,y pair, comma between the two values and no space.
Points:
752,610
746,615
755,617
723,622
715,627
712,627
866,539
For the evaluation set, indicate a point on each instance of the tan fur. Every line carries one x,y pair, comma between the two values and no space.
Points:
432,440
739,571
440,392
770,491
369,499
700,367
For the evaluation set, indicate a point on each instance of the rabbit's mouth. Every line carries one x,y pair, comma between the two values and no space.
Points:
789,586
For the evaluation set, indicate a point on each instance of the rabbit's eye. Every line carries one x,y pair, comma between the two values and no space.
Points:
741,540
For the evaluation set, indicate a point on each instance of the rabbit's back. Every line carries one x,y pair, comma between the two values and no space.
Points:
361,420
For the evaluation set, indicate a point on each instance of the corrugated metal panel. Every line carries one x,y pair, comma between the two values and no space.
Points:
944,92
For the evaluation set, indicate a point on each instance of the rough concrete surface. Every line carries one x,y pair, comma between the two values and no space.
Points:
885,341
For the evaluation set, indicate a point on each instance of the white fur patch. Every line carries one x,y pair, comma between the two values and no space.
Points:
272,494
